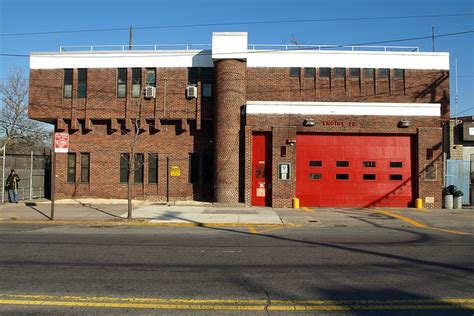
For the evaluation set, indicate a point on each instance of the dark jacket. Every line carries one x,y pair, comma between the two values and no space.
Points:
12,182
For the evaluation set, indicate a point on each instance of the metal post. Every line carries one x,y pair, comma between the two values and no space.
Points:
53,182
3,172
167,179
130,38
31,176
164,105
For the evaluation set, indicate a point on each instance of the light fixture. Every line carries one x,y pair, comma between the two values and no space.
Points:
308,122
291,141
404,123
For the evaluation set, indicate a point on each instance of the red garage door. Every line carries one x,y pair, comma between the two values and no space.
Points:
354,170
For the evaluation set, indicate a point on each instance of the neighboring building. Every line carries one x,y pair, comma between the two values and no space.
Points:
461,156
461,138
332,127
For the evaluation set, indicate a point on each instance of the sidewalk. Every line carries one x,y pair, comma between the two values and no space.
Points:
159,213
114,212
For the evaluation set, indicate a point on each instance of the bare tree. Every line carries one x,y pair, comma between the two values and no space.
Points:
132,164
295,41
17,131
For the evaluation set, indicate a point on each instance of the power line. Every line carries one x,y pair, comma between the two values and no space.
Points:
302,48
379,18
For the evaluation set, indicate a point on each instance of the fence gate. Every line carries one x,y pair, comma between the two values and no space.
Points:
34,172
458,174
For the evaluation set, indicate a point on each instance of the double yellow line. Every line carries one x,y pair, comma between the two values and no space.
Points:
236,304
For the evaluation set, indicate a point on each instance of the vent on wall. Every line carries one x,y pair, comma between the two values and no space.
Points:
191,92
150,92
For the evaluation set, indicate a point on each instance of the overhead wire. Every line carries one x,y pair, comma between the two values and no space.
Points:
241,23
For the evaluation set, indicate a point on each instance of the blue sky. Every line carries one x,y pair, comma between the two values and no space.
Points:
17,16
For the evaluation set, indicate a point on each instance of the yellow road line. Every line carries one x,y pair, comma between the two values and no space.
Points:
419,224
307,209
253,230
464,301
250,305
457,232
403,218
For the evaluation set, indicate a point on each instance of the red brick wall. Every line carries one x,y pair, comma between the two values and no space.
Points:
46,101
236,84
419,86
230,97
105,148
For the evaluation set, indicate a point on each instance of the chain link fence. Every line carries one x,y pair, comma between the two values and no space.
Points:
34,173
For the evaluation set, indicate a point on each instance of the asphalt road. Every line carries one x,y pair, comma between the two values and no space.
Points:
214,271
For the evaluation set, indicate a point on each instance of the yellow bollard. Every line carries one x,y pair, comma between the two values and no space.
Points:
296,202
418,203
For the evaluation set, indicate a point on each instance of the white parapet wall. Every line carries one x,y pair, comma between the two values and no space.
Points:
343,108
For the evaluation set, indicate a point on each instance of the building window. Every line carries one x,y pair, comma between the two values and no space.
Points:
207,78
122,83
430,173
354,73
384,73
138,170
315,163
82,83
340,72
193,76
67,83
396,164
295,72
315,176
369,73
207,90
136,82
71,167
369,176
152,168
369,164
124,159
151,77
325,72
398,74
85,167
309,72
193,168
342,176
342,163
396,177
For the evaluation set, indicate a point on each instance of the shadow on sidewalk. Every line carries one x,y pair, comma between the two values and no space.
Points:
85,205
32,205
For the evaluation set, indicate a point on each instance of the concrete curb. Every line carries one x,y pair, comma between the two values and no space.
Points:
136,222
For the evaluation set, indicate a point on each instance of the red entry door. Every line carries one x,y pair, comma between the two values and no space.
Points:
354,170
261,169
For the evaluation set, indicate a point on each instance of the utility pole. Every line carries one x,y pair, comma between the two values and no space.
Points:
3,170
433,38
53,182
130,37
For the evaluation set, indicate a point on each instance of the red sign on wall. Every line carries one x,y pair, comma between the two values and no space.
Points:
61,142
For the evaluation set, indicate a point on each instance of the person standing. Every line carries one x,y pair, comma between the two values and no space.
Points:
12,186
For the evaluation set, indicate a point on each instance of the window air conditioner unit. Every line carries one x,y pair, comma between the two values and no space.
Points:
191,92
150,92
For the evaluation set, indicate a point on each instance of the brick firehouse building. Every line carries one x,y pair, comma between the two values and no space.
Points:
236,123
